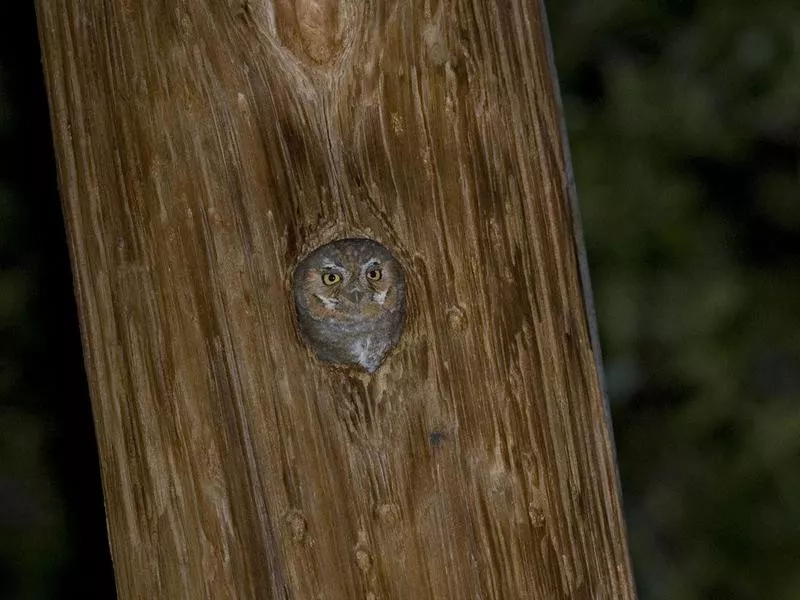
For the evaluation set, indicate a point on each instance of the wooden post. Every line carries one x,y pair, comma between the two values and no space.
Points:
203,149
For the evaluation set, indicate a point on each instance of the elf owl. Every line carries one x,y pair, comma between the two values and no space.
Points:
349,296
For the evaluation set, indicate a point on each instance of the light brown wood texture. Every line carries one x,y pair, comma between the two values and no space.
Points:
203,148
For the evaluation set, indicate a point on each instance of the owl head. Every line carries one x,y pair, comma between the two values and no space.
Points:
349,297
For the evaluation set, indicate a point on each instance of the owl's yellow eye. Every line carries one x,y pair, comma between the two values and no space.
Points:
374,274
331,278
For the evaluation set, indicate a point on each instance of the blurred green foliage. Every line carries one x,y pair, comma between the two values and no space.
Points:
684,121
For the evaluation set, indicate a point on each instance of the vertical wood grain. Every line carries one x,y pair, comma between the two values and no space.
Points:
205,147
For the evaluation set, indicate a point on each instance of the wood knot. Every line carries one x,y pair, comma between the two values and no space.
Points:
536,515
297,525
310,28
437,438
363,559
536,508
457,318
388,513
362,553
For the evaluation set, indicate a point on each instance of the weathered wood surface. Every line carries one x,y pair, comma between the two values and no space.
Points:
203,148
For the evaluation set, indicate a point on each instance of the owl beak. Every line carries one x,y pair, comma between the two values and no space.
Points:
354,296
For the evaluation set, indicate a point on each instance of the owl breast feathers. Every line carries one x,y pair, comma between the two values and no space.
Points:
349,296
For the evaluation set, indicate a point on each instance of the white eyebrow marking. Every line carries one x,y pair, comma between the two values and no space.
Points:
371,263
332,266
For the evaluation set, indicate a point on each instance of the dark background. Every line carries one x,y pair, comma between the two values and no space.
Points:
684,120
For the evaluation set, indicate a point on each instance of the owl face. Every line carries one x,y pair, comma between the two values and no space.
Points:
349,297
350,280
